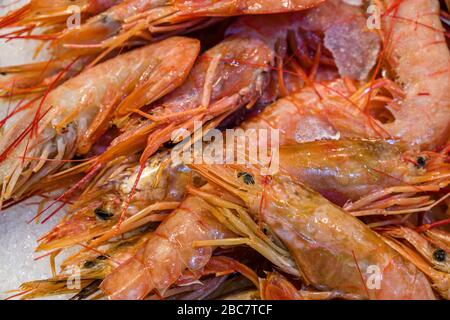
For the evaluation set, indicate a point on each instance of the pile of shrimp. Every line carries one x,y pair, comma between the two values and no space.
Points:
358,92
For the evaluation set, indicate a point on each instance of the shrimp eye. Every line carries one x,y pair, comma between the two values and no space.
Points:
439,255
247,177
102,257
89,264
103,214
421,162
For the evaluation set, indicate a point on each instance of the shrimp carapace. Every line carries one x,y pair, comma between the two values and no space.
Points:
69,119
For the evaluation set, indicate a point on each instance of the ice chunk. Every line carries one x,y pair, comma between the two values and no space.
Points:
354,49
313,128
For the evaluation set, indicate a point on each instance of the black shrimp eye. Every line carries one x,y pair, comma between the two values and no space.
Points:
247,177
439,255
102,257
89,264
103,214
421,162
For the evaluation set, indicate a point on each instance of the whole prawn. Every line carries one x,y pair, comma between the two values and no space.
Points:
416,50
69,119
167,254
385,155
331,248
231,75
41,13
95,212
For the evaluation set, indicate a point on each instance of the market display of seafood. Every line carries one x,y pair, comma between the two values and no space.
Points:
226,149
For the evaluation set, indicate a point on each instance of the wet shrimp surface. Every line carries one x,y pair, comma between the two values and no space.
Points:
187,150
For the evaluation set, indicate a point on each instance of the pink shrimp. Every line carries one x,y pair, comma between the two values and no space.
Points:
227,77
69,119
331,248
127,23
417,52
96,211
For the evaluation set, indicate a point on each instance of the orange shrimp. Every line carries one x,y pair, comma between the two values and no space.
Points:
53,13
97,209
67,120
130,22
354,167
132,17
168,252
325,110
368,176
332,249
434,255
276,287
382,108
440,279
417,52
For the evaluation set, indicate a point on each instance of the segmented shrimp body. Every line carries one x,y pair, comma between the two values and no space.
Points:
168,252
227,77
53,13
332,249
417,52
348,169
311,121
418,100
69,119
98,209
